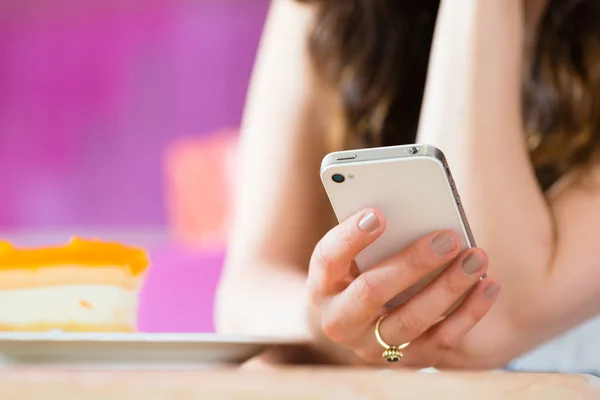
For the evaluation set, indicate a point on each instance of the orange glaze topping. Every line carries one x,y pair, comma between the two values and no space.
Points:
79,252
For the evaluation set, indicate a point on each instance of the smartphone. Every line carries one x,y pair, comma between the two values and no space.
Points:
412,185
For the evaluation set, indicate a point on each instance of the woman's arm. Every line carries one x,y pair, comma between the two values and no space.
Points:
542,251
282,215
281,209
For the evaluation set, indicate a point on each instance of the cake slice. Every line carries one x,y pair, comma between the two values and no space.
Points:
84,286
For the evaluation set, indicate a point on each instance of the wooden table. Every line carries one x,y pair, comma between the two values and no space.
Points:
289,383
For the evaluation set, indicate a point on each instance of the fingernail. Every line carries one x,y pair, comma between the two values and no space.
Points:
491,291
369,223
443,244
472,264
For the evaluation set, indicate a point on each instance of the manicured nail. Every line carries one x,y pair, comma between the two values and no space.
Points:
443,244
369,223
491,291
472,264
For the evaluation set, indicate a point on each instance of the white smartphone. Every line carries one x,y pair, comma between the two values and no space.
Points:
412,186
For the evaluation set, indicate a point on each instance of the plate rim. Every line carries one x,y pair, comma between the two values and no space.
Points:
145,337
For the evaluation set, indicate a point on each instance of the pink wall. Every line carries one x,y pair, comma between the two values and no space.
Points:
92,92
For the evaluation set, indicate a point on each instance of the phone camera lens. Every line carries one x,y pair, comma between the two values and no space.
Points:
413,150
337,178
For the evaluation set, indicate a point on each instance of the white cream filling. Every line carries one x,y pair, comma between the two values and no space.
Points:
76,304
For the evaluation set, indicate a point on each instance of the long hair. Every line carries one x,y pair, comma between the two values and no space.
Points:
374,55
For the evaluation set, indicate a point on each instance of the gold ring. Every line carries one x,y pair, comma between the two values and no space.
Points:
391,353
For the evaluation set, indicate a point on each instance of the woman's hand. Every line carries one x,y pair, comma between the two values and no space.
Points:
350,303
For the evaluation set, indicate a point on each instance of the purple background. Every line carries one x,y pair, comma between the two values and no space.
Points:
91,92
178,295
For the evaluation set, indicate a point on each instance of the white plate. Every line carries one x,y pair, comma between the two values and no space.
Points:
130,349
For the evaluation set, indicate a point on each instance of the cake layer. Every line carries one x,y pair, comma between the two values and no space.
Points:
12,278
84,253
75,307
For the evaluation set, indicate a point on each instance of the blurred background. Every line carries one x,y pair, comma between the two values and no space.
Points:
118,120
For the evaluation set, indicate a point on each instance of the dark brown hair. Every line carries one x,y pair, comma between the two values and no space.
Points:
374,55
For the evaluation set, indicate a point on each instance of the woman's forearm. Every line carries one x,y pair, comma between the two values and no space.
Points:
472,111
270,301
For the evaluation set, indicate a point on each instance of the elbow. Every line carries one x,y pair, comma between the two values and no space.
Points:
225,314
235,308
